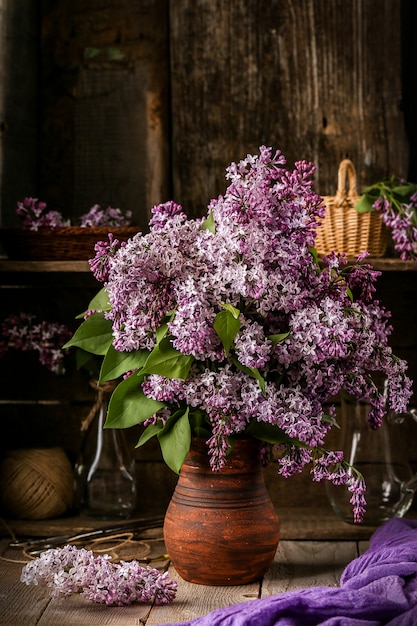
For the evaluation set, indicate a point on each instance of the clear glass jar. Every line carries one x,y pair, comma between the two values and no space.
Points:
105,470
381,456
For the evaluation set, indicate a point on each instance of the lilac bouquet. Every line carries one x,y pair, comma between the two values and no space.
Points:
35,215
70,570
396,201
228,326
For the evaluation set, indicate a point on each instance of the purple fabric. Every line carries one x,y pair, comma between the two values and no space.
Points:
378,588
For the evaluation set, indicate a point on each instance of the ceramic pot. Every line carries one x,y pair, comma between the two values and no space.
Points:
221,528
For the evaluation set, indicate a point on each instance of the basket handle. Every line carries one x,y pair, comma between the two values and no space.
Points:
347,173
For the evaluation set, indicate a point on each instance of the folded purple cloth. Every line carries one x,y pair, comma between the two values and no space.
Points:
378,588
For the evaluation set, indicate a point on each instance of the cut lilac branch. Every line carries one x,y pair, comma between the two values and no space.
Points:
70,570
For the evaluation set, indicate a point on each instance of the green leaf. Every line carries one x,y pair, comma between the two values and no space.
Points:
226,326
349,293
314,254
404,192
161,332
116,363
275,339
129,405
93,335
149,432
175,441
233,310
86,360
330,420
199,423
165,360
269,433
209,223
364,205
251,371
100,302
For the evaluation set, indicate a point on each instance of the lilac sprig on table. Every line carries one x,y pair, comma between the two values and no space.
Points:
70,570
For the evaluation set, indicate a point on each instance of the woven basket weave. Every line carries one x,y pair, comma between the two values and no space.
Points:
343,229
69,243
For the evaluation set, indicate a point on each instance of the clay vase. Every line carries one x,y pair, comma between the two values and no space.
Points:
221,528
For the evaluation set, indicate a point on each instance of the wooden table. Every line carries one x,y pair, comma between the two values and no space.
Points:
314,549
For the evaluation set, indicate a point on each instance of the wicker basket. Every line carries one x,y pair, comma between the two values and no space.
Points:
344,229
69,243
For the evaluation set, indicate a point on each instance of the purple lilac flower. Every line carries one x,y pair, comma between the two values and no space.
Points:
163,389
24,332
357,488
162,213
104,250
400,218
252,347
34,215
97,216
71,570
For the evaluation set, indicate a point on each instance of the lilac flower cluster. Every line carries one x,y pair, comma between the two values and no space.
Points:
396,201
35,215
99,265
97,216
401,219
71,570
24,332
301,337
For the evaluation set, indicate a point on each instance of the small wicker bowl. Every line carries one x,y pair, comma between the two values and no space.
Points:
69,243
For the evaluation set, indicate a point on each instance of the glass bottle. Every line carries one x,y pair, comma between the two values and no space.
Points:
105,470
381,456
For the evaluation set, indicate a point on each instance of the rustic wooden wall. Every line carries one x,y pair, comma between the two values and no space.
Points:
130,104
319,80
19,104
139,103
105,105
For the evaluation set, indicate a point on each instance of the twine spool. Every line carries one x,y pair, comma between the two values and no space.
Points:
36,483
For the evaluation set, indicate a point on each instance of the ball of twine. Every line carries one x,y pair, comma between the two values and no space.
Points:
36,483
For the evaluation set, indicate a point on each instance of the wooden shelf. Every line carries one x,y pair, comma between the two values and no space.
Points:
6,265
43,266
393,265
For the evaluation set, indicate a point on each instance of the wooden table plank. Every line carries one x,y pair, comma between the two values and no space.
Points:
18,604
76,611
363,546
197,600
299,563
302,564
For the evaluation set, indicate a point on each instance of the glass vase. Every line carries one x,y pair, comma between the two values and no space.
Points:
381,457
105,470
